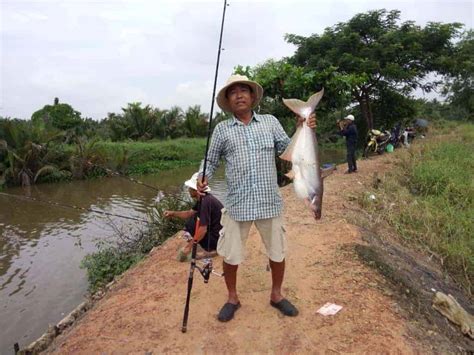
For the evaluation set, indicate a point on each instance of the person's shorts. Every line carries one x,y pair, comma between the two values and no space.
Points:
233,236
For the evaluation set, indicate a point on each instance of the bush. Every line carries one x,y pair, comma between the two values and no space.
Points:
103,265
112,260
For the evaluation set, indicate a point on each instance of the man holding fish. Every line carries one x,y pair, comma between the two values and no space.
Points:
247,143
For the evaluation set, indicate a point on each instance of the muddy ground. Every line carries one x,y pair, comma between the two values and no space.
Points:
331,260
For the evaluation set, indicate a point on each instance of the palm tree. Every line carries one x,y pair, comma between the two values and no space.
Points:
195,122
140,120
172,121
86,158
25,147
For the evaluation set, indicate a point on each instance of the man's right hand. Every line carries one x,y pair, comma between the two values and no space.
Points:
201,185
341,124
168,214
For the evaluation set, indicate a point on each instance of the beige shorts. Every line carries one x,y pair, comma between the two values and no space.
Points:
233,237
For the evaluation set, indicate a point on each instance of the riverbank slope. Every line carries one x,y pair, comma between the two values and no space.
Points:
143,311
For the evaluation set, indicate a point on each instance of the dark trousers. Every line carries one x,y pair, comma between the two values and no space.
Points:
351,157
206,243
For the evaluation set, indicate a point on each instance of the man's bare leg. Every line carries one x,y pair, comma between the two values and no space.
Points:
230,276
232,305
276,298
278,272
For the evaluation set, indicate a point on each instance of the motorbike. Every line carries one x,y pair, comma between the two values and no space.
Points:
396,135
377,141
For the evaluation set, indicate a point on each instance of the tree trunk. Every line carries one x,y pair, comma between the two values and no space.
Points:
370,120
364,102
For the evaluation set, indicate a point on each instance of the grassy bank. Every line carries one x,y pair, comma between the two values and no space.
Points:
153,156
428,197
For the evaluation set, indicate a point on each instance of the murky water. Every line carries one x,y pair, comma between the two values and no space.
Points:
41,246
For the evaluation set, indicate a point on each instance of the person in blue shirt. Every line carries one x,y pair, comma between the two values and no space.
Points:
348,129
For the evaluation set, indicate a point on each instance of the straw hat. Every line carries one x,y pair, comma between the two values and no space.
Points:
349,117
192,183
238,79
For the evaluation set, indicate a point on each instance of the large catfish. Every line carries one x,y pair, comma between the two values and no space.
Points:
303,153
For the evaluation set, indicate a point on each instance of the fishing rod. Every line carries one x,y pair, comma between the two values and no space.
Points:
57,204
207,269
136,181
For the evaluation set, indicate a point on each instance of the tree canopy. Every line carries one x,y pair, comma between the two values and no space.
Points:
371,59
59,115
459,88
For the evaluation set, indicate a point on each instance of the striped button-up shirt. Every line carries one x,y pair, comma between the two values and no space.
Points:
249,155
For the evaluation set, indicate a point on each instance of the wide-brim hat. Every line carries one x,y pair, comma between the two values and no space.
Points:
222,100
192,183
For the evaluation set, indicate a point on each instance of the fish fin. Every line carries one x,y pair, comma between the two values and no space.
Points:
290,175
313,101
304,108
286,155
297,106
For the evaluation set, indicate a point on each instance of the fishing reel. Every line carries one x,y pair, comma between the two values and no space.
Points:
206,269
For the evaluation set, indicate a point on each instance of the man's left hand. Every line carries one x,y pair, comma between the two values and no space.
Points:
311,121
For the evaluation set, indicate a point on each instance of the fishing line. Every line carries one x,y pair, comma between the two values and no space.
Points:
57,204
138,182
207,269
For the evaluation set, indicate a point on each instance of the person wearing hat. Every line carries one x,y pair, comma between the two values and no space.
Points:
348,129
210,215
248,143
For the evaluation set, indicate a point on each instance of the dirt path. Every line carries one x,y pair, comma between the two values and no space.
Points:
143,311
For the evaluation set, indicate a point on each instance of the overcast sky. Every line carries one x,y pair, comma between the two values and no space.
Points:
100,55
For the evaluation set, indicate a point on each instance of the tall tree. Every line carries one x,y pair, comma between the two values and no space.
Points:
373,52
59,115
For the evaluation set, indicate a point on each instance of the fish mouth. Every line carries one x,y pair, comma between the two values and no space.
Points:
316,212
315,208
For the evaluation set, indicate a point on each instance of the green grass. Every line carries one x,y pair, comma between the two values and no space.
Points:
428,200
153,156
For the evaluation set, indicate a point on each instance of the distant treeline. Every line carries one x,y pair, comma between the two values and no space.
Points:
368,66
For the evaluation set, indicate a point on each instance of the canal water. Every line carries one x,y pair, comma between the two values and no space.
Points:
41,246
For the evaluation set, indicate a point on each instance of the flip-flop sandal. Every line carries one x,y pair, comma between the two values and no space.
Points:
227,312
285,307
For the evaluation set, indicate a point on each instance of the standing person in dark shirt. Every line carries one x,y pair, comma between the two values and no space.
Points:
210,215
348,129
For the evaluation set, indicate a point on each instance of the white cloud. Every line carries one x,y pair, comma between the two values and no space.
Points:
191,93
100,55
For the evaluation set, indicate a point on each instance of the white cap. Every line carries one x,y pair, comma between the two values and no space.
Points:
349,117
192,183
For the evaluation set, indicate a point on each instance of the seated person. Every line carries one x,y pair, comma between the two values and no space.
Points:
210,215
